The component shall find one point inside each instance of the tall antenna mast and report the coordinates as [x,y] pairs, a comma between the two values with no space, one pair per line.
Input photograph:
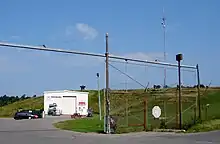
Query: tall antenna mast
[164,44]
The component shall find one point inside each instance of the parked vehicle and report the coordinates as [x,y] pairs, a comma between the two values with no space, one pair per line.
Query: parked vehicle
[38,112]
[25,114]
[53,110]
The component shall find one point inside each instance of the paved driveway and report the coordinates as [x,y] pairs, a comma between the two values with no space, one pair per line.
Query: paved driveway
[41,131]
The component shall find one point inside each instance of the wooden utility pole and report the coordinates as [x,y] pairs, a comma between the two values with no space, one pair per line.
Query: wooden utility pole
[108,130]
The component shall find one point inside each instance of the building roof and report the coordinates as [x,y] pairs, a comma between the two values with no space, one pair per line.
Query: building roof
[66,91]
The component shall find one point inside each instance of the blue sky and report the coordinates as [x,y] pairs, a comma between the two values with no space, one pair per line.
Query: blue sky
[134,29]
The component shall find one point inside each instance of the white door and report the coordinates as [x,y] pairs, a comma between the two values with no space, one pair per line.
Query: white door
[68,105]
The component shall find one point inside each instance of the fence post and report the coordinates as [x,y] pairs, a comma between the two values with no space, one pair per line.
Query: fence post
[145,114]
[198,87]
[194,115]
[177,112]
[206,111]
[126,109]
[165,111]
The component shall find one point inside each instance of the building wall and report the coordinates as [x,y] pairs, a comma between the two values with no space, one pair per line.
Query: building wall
[80,103]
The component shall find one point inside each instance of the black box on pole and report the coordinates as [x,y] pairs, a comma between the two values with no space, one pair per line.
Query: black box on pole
[179,57]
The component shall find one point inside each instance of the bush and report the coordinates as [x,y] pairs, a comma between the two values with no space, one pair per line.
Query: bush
[187,125]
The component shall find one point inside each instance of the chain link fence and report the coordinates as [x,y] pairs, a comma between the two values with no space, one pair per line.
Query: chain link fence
[133,105]
[133,109]
[168,101]
[128,107]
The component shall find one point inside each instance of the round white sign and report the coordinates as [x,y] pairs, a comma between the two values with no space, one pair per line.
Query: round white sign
[156,111]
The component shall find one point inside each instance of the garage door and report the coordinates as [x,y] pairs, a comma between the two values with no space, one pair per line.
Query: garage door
[68,105]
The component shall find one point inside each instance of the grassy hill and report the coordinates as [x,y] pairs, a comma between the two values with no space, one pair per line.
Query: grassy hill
[129,107]
[31,103]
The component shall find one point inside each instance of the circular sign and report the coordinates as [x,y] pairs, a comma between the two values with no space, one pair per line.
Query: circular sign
[156,111]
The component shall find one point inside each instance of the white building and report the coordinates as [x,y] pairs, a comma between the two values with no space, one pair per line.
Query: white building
[68,101]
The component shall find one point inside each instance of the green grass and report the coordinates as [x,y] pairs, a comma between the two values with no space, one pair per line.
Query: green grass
[11,109]
[205,126]
[82,125]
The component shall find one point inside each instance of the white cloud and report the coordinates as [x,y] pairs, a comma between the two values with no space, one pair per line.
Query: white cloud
[72,33]
[87,31]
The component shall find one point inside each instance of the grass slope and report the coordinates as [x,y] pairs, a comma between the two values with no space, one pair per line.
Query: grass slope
[205,126]
[31,103]
[135,105]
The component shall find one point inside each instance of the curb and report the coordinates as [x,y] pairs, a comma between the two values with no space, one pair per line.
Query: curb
[169,130]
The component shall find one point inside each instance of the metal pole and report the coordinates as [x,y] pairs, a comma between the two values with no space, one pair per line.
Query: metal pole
[145,113]
[10,45]
[198,87]
[145,70]
[197,95]
[126,81]
[41,48]
[164,45]
[151,62]
[100,110]
[179,57]
[126,89]
[107,89]
[165,72]
[177,112]
[180,111]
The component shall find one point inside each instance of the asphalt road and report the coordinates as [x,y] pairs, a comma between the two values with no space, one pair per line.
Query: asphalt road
[41,131]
